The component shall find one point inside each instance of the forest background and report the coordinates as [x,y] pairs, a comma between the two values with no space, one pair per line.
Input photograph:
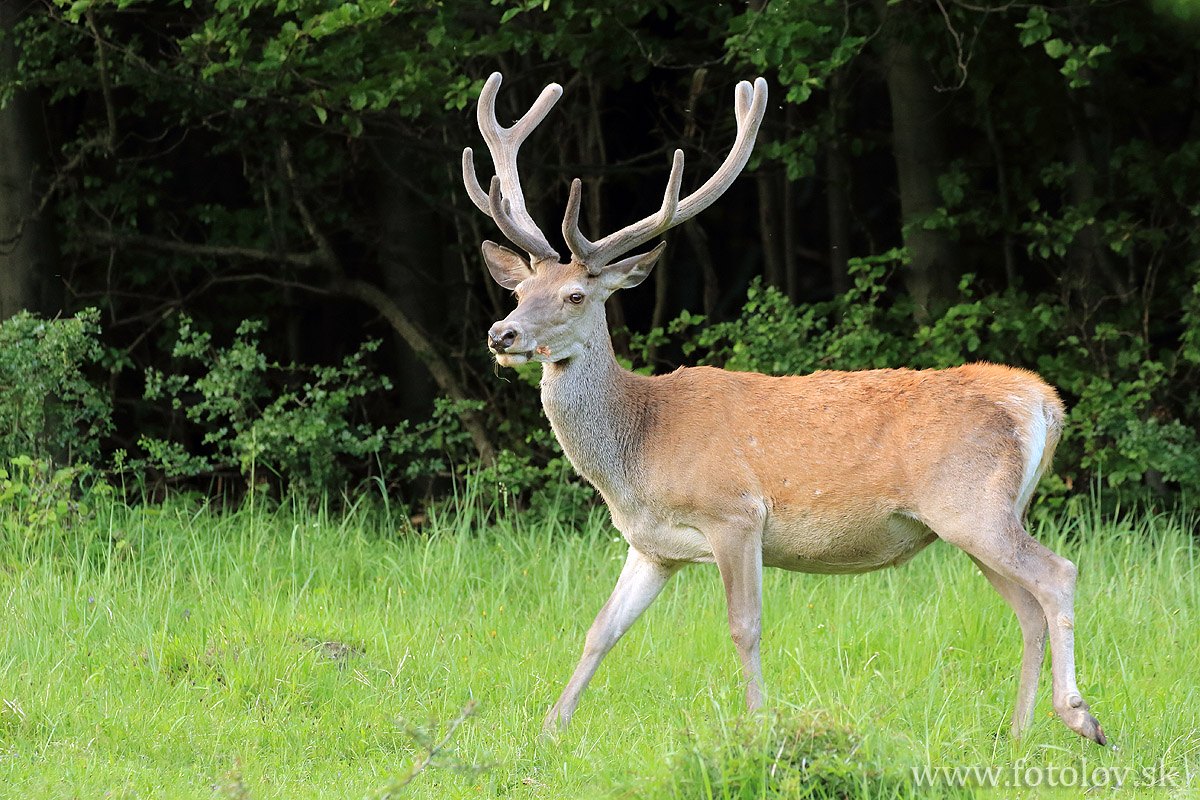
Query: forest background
[235,249]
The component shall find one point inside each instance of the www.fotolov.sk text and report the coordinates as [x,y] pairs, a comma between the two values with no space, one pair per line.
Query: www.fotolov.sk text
[1082,775]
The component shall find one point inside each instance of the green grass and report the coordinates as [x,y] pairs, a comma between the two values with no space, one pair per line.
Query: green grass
[175,652]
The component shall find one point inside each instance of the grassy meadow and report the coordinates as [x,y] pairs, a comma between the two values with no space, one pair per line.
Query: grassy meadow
[174,651]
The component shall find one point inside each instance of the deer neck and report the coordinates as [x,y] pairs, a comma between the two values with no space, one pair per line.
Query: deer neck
[591,402]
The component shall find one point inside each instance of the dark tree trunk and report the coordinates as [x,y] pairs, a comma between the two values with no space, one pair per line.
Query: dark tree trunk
[411,273]
[838,189]
[767,221]
[1087,255]
[1008,245]
[919,150]
[711,289]
[26,256]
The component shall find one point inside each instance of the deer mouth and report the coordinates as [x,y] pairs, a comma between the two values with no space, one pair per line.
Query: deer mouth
[513,359]
[524,356]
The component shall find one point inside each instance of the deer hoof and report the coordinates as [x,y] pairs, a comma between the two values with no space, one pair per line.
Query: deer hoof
[1090,729]
[555,723]
[1077,717]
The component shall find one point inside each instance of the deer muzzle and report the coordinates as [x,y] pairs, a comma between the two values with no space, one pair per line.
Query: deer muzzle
[508,344]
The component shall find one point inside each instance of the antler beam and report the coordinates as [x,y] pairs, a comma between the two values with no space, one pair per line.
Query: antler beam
[505,202]
[749,106]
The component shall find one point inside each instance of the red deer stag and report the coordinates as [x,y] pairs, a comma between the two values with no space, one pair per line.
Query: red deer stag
[834,472]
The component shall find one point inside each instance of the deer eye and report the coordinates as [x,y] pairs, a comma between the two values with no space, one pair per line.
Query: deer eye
[575,298]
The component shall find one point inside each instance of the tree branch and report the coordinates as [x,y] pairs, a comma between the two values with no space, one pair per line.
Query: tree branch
[112,239]
[105,84]
[432,752]
[958,51]
[310,224]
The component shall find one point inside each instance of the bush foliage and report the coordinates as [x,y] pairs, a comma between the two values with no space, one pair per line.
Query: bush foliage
[300,427]
[238,413]
[803,756]
[53,405]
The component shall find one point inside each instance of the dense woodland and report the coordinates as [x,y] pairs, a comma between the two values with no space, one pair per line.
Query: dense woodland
[235,248]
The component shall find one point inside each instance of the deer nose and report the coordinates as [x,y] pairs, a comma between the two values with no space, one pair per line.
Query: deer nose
[501,337]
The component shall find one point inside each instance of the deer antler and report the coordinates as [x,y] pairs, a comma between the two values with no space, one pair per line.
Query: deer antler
[749,106]
[504,202]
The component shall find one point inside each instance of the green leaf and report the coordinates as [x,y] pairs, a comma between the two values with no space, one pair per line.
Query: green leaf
[1035,28]
[1055,48]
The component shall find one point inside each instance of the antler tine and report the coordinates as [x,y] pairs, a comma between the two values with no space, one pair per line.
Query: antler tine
[670,204]
[747,130]
[585,250]
[577,243]
[750,103]
[478,196]
[743,95]
[502,213]
[506,203]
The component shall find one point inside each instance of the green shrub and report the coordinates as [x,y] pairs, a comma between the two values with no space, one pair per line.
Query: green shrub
[292,424]
[38,500]
[49,408]
[784,754]
[540,478]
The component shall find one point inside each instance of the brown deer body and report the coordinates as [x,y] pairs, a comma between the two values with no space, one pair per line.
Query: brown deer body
[834,472]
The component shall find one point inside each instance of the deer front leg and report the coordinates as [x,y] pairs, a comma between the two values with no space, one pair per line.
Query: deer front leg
[640,582]
[739,558]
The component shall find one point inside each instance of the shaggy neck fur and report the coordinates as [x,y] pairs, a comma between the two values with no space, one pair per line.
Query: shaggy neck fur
[594,408]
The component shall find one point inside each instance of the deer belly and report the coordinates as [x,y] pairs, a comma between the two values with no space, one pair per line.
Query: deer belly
[664,541]
[810,543]
[671,543]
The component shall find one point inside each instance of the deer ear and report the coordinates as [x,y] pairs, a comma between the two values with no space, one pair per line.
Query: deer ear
[631,271]
[507,268]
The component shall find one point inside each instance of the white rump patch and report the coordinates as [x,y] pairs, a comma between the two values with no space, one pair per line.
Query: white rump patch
[1035,449]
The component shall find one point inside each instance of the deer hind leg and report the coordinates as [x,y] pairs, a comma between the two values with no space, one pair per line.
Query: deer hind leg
[640,582]
[1033,634]
[1009,550]
[739,558]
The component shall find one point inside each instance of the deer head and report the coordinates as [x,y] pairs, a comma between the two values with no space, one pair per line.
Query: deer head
[560,305]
